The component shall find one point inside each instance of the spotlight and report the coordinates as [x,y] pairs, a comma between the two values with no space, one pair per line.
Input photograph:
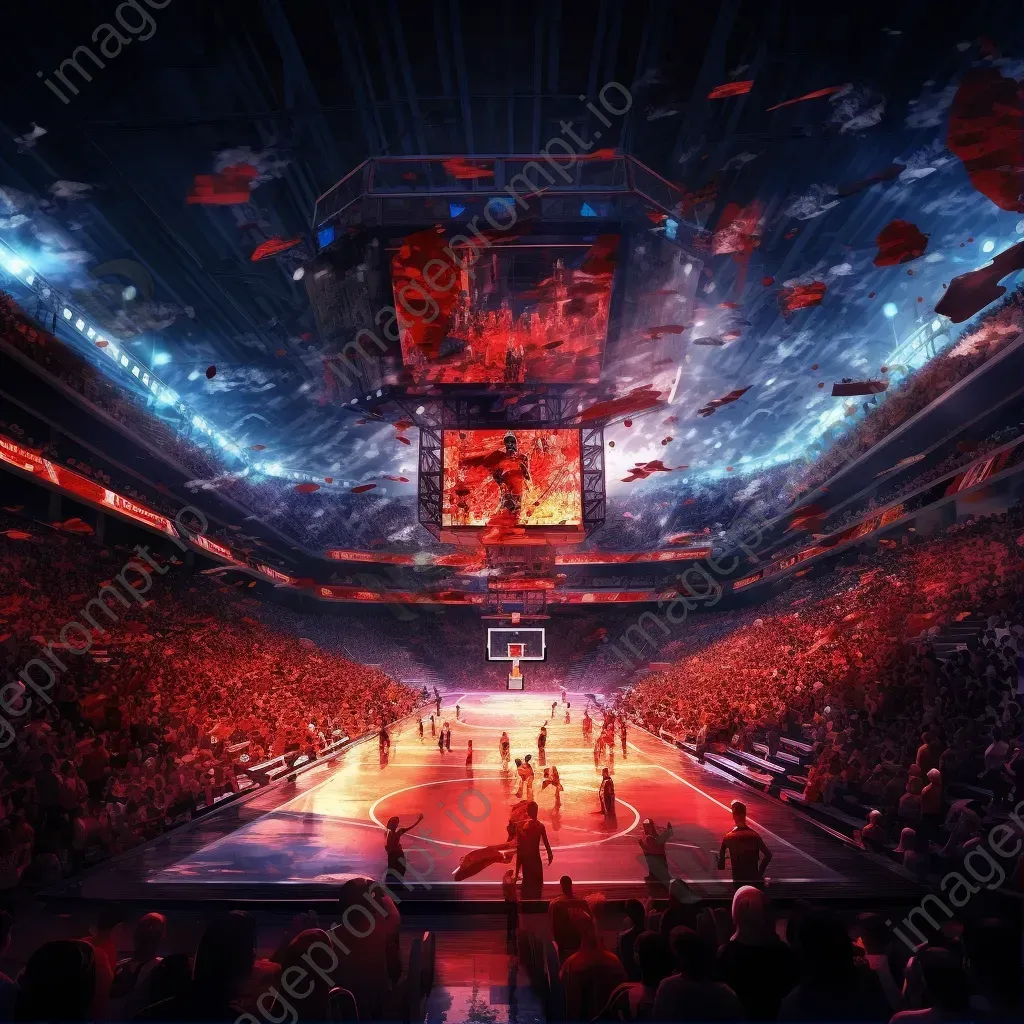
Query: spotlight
[67,313]
[80,324]
[129,292]
[161,359]
[890,309]
[988,246]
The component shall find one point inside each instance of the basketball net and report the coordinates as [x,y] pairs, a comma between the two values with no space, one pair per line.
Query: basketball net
[515,677]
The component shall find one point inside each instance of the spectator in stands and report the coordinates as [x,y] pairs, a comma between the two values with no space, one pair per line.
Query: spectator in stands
[634,1000]
[833,985]
[132,979]
[591,974]
[313,1002]
[59,983]
[755,963]
[936,987]
[220,972]
[692,993]
[560,920]
[636,914]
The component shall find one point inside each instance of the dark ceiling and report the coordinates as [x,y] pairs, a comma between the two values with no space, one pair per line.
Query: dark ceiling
[305,90]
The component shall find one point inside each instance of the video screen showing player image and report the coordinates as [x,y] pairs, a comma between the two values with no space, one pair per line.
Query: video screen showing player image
[523,477]
[512,313]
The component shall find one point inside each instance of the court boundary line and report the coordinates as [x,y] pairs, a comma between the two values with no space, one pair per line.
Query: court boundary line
[829,872]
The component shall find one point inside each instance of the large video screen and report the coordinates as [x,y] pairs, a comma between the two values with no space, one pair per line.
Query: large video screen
[517,477]
[512,313]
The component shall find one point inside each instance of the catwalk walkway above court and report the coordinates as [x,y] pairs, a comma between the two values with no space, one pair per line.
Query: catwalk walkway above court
[300,840]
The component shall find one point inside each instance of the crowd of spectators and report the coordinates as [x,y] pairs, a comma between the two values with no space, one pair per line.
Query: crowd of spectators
[691,962]
[847,663]
[178,693]
[998,327]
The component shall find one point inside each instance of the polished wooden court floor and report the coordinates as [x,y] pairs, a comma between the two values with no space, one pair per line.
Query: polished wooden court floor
[311,834]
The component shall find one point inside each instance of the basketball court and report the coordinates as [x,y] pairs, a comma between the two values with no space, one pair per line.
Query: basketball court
[328,825]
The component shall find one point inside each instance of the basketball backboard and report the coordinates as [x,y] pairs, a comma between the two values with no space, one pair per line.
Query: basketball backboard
[532,640]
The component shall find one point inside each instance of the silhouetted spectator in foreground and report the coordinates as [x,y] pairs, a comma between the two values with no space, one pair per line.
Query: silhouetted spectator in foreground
[755,963]
[833,985]
[223,963]
[591,975]
[58,983]
[634,1000]
[691,993]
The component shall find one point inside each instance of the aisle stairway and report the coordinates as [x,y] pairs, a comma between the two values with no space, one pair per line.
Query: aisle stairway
[958,636]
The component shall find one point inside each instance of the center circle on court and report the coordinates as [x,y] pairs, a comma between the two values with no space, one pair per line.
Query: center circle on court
[490,830]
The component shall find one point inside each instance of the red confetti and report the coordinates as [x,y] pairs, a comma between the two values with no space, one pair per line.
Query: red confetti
[627,423]
[228,188]
[272,246]
[211,372]
[801,296]
[817,94]
[102,343]
[892,171]
[363,488]
[657,332]
[899,242]
[328,479]
[307,488]
[397,479]
[740,88]
[717,403]
[986,131]
[258,447]
[642,470]
[972,292]
[17,535]
[767,281]
[814,366]
[404,440]
[666,440]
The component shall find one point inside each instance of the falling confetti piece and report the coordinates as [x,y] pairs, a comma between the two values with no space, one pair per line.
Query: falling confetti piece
[815,366]
[258,447]
[611,444]
[404,440]
[102,343]
[363,488]
[307,488]
[817,94]
[767,281]
[898,242]
[627,423]
[211,372]
[801,296]
[740,88]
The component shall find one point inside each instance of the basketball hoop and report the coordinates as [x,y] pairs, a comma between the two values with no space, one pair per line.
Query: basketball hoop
[515,645]
[515,677]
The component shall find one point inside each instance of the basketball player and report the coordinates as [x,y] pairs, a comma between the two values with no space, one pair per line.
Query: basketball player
[747,852]
[421,730]
[607,794]
[469,753]
[528,863]
[525,772]
[652,846]
[554,705]
[437,702]
[393,844]
[551,779]
[447,737]
[564,701]
[622,734]
[433,728]
[503,751]
[458,712]
[588,725]
[542,739]
[384,739]
[567,706]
